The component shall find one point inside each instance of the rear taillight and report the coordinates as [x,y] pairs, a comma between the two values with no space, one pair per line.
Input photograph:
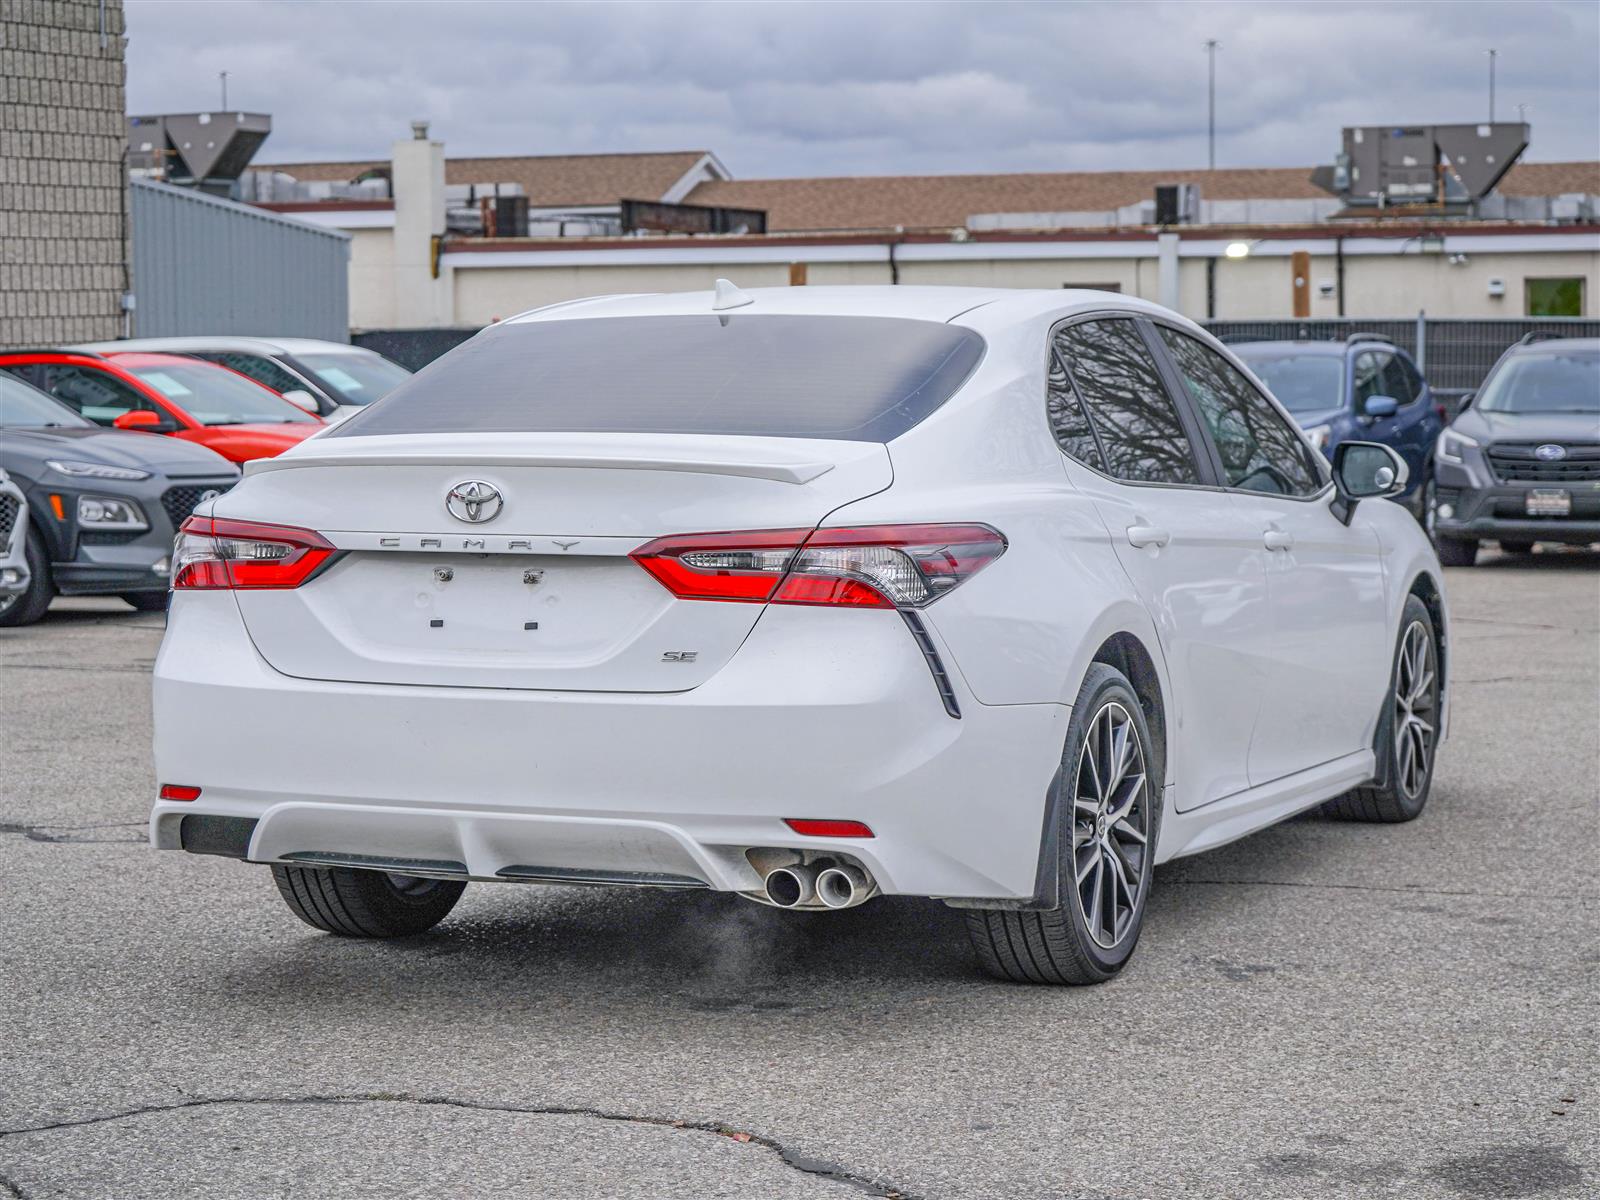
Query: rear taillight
[220,554]
[877,566]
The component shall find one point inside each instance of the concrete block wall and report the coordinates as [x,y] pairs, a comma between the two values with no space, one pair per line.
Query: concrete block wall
[63,185]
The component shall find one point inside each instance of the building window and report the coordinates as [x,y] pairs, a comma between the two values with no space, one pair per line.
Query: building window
[1554,297]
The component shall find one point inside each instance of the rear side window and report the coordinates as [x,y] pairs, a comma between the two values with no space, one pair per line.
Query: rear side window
[854,378]
[263,370]
[1068,421]
[1138,425]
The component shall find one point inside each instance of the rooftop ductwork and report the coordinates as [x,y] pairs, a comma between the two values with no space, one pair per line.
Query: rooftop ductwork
[1388,165]
[208,151]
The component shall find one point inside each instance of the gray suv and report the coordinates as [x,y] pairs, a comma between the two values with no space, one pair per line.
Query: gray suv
[102,504]
[1521,464]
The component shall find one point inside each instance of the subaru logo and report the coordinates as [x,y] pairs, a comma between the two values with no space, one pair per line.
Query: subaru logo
[1550,452]
[474,501]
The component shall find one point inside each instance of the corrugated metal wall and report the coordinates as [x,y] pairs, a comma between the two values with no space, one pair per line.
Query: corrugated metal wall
[204,265]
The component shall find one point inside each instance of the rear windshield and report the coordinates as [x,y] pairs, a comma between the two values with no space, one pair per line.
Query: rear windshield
[863,379]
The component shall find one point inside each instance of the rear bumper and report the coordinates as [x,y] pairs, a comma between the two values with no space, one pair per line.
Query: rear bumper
[821,714]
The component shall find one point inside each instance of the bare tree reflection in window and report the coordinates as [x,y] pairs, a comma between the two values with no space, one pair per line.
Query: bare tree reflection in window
[1138,425]
[1260,450]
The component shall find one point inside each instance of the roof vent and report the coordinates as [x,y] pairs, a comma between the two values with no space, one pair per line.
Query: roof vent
[727,296]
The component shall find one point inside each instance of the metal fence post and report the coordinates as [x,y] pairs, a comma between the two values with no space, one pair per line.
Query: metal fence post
[1422,341]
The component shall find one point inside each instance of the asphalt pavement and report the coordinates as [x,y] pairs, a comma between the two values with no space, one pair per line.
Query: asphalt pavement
[1323,1009]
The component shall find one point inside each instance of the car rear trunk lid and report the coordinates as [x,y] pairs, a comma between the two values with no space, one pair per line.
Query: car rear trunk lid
[540,594]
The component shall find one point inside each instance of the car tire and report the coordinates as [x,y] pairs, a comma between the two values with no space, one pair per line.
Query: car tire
[1457,552]
[1517,547]
[1408,728]
[148,601]
[33,603]
[1075,943]
[365,904]
[1427,504]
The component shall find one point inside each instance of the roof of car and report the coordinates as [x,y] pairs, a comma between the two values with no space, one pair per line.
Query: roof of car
[1559,345]
[1288,347]
[148,358]
[222,344]
[1332,347]
[910,302]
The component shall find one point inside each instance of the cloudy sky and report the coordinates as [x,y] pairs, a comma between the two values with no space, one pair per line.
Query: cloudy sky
[869,88]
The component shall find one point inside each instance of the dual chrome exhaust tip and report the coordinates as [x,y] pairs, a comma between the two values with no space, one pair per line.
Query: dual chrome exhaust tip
[837,885]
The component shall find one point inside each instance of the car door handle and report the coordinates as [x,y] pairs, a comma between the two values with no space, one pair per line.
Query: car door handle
[1147,535]
[1277,539]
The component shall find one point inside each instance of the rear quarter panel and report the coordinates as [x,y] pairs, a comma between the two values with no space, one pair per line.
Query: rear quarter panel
[1025,629]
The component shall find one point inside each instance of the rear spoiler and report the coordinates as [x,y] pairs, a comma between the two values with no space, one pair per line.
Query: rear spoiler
[584,453]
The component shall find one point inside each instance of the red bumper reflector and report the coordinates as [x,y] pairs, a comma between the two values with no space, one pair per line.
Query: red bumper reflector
[810,828]
[179,791]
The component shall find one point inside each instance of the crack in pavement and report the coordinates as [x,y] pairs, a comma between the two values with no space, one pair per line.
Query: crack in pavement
[37,833]
[1565,898]
[7,1187]
[797,1162]
[16,666]
[1515,624]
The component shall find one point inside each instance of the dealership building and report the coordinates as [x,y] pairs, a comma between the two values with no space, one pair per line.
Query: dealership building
[441,241]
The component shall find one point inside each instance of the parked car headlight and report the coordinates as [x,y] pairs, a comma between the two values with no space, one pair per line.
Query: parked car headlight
[83,470]
[110,513]
[1319,435]
[1453,446]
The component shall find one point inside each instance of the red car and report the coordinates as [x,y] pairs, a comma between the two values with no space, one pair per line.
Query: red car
[168,393]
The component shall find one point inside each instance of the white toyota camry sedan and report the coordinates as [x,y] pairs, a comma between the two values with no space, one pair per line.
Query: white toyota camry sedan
[809,594]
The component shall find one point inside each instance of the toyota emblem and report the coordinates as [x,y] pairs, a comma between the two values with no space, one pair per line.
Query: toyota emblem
[474,501]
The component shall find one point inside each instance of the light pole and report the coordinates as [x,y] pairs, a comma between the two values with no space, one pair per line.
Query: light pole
[1211,103]
[1493,54]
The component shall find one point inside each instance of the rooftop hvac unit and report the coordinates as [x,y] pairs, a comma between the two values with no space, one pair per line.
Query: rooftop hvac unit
[208,151]
[1386,165]
[505,216]
[1177,203]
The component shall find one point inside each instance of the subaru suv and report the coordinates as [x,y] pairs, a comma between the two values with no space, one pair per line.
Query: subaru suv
[1521,464]
[1364,388]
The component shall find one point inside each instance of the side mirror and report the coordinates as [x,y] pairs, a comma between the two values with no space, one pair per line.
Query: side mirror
[1365,471]
[1465,402]
[141,420]
[301,398]
[1381,406]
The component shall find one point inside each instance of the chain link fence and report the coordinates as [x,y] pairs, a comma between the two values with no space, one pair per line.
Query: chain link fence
[1455,353]
[413,349]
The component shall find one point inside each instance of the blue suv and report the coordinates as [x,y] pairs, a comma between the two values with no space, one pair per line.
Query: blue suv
[1364,389]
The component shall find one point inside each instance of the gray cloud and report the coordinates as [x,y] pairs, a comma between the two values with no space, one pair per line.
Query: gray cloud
[869,88]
